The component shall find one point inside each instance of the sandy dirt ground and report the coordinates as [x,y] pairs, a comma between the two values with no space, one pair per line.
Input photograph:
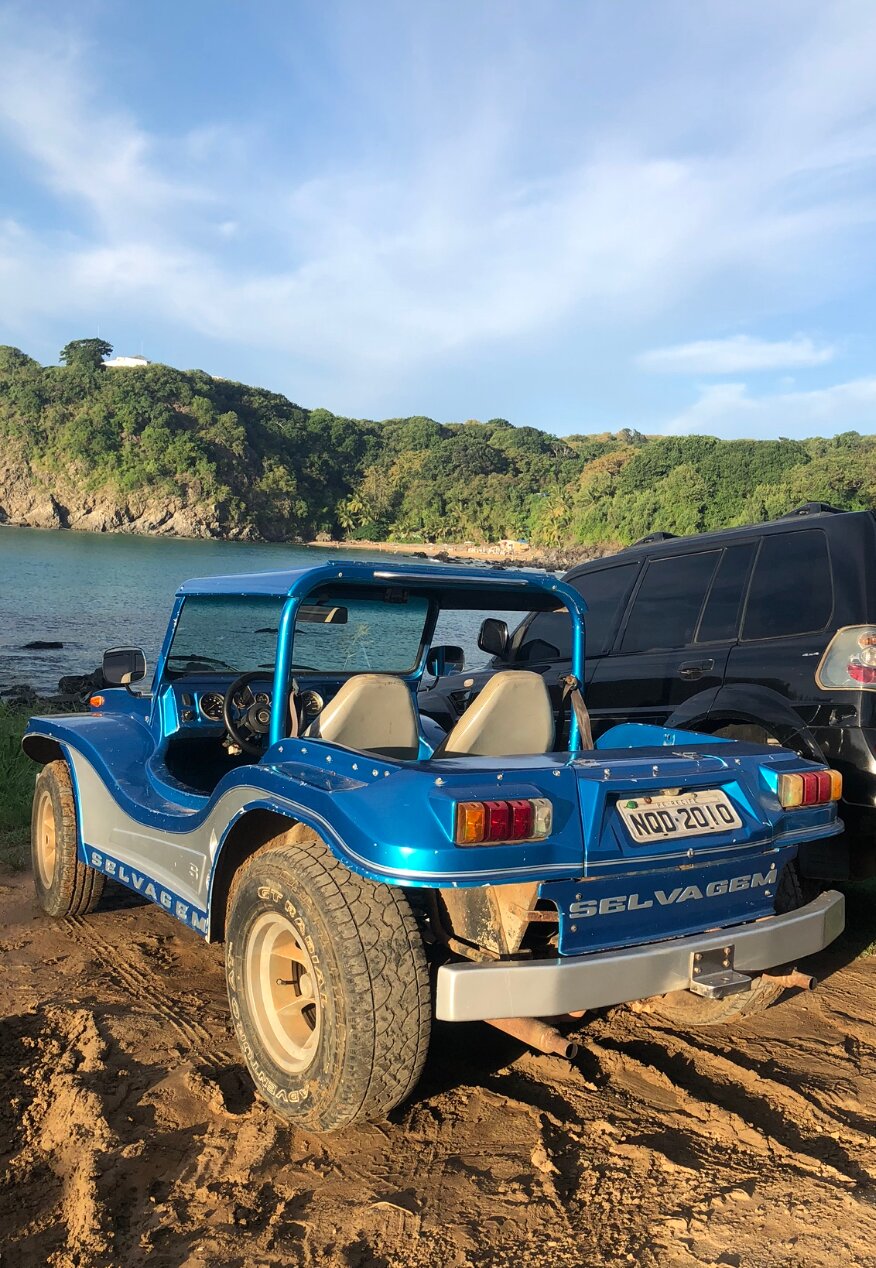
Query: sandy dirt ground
[130,1133]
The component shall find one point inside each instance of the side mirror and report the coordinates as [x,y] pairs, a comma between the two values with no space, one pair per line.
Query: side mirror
[493,638]
[123,665]
[445,659]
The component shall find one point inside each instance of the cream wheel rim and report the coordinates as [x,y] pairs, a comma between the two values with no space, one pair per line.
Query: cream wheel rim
[281,992]
[46,839]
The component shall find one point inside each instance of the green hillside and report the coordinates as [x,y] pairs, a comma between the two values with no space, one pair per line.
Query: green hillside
[245,462]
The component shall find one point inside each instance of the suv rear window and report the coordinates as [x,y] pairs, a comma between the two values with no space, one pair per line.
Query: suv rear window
[792,588]
[668,602]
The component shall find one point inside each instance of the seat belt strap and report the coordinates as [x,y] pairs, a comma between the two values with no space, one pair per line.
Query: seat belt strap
[572,693]
[294,718]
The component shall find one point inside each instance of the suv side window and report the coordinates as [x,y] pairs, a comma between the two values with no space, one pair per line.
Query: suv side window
[720,620]
[792,587]
[668,602]
[548,637]
[605,592]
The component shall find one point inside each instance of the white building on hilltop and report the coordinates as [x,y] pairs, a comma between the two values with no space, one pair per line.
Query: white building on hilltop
[126,363]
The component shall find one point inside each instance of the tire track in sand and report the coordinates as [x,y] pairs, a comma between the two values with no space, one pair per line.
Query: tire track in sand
[149,992]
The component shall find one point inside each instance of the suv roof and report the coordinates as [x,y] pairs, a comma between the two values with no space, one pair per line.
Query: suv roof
[668,543]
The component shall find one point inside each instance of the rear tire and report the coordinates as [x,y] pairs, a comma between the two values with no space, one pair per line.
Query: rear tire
[685,1009]
[65,886]
[328,986]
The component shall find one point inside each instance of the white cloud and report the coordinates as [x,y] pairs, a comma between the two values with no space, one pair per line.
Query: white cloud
[735,355]
[729,410]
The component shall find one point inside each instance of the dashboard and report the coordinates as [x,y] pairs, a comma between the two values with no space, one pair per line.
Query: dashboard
[200,704]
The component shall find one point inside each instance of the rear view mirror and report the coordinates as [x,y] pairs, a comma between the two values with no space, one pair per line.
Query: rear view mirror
[316,614]
[493,638]
[445,659]
[123,665]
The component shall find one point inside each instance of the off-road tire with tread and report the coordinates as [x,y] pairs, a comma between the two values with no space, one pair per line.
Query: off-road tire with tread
[373,987]
[65,886]
[684,1008]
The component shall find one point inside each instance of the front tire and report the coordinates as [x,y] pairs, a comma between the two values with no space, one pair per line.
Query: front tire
[65,886]
[328,986]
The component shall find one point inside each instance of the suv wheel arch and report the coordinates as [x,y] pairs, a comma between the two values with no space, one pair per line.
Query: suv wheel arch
[745,706]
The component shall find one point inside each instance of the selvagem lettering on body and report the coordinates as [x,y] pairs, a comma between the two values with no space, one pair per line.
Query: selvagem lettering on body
[619,903]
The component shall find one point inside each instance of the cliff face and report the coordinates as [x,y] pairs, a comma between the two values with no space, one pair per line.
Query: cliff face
[32,499]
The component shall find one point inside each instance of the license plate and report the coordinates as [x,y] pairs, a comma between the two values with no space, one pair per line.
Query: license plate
[668,816]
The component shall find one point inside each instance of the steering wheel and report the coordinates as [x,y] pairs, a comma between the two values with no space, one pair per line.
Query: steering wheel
[246,720]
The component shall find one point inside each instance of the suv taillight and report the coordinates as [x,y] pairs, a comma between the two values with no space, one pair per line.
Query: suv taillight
[849,663]
[812,788]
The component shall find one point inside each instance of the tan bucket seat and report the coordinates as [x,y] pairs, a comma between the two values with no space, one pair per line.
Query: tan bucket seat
[512,715]
[373,713]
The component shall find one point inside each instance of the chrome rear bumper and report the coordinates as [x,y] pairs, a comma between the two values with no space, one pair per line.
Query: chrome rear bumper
[548,988]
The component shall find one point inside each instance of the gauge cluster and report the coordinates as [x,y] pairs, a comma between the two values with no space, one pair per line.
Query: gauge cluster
[208,705]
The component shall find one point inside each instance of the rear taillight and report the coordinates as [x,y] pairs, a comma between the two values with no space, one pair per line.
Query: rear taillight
[486,822]
[813,788]
[849,662]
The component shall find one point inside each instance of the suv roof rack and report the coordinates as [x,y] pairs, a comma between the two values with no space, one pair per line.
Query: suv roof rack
[812,508]
[654,537]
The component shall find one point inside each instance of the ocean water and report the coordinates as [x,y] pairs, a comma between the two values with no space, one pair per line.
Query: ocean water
[91,591]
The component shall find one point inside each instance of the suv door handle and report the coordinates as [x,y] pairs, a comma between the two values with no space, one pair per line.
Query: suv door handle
[692,669]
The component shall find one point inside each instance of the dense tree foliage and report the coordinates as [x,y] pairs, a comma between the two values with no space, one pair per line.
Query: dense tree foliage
[265,467]
[86,353]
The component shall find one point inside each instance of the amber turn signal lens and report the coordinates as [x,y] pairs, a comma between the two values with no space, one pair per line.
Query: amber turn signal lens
[97,701]
[470,820]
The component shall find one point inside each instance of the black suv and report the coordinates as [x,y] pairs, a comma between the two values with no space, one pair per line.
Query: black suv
[763,633]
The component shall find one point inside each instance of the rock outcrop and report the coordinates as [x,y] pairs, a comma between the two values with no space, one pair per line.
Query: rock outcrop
[33,499]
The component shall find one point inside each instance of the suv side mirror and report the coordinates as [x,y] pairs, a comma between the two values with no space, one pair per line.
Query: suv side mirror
[493,638]
[123,665]
[445,659]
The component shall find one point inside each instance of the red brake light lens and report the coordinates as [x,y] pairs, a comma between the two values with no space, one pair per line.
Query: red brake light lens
[498,820]
[495,822]
[522,818]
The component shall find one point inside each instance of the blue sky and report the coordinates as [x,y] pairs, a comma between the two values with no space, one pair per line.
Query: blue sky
[577,215]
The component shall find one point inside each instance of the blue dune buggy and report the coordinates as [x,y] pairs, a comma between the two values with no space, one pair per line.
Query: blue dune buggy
[277,790]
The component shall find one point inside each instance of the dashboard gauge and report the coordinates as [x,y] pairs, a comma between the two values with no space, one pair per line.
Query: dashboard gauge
[211,705]
[311,703]
[262,697]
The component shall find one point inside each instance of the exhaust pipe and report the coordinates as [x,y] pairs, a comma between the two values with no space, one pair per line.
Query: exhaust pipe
[805,981]
[536,1034]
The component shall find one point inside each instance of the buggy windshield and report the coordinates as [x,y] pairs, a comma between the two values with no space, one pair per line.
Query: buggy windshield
[225,634]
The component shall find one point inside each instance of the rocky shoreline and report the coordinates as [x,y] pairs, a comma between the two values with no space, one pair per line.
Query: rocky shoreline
[72,694]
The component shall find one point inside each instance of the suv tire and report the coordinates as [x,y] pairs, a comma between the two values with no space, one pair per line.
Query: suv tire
[65,886]
[328,986]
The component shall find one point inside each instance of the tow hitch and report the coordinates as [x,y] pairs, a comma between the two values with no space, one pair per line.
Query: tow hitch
[712,974]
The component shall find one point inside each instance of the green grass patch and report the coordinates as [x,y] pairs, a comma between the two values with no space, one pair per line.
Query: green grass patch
[17,775]
[17,772]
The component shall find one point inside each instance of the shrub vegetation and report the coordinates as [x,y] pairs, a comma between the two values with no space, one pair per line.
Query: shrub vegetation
[260,466]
